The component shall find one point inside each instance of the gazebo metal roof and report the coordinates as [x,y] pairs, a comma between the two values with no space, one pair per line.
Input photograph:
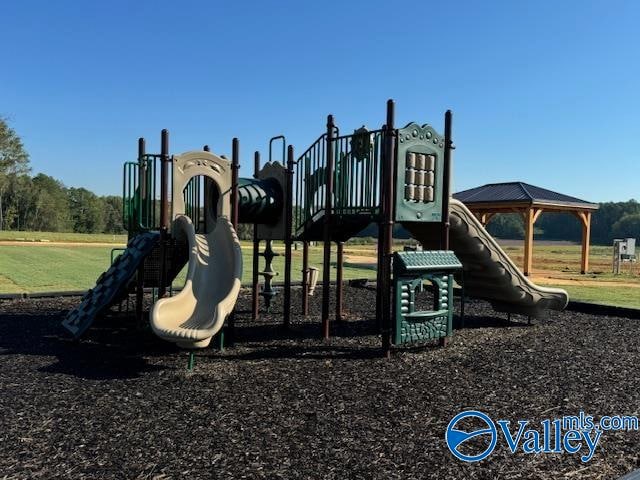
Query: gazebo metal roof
[521,193]
[529,201]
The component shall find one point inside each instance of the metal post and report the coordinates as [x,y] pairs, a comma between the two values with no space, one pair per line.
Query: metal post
[164,210]
[256,251]
[142,176]
[326,266]
[207,191]
[339,289]
[305,278]
[287,238]
[446,180]
[235,167]
[387,201]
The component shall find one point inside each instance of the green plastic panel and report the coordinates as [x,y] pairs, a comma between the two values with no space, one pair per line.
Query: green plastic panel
[410,271]
[419,170]
[427,261]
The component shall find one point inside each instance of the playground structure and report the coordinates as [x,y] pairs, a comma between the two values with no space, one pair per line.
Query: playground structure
[185,209]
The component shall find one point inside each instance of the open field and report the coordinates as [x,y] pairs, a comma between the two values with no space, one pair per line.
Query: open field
[121,404]
[34,267]
[63,237]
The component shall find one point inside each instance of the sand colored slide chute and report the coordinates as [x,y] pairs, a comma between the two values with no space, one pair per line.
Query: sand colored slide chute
[489,273]
[197,313]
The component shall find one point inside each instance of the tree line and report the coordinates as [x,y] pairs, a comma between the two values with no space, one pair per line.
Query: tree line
[43,203]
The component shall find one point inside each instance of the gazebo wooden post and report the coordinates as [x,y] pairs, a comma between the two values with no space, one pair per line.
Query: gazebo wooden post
[531,214]
[528,240]
[585,219]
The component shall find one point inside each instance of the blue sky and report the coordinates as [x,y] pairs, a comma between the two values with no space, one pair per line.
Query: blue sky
[544,92]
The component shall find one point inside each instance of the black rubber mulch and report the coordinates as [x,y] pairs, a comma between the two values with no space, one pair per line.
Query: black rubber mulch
[121,404]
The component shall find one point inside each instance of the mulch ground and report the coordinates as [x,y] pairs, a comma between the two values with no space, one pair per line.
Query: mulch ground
[121,403]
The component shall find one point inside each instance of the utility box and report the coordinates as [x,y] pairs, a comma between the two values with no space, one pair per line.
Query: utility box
[410,272]
[624,250]
[628,248]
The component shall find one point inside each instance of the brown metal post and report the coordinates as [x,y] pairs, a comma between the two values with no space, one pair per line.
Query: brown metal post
[256,251]
[339,286]
[446,180]
[142,184]
[326,265]
[235,167]
[387,201]
[288,239]
[164,210]
[305,278]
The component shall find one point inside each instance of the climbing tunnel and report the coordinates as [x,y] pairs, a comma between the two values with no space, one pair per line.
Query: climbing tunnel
[260,201]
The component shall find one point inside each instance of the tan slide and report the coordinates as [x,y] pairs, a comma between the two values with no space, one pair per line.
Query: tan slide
[197,313]
[489,273]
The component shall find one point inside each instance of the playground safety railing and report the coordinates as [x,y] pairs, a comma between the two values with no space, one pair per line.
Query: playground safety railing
[140,194]
[357,164]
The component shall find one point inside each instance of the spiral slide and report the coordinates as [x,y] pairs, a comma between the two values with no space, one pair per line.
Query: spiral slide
[489,273]
[211,290]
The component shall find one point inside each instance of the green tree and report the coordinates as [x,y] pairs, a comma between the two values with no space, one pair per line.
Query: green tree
[628,226]
[112,207]
[86,211]
[506,225]
[14,161]
[51,205]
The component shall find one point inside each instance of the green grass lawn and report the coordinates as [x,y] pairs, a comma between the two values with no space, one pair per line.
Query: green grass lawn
[61,237]
[29,268]
[50,268]
[36,268]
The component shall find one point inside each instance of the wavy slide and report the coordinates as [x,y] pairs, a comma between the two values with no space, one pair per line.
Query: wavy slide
[489,273]
[193,316]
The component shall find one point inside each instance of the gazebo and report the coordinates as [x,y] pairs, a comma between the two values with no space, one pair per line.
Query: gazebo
[529,201]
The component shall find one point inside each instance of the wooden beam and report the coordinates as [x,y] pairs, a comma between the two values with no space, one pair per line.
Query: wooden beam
[586,240]
[537,214]
[520,205]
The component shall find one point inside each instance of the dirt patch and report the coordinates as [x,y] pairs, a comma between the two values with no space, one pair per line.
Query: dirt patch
[360,259]
[584,283]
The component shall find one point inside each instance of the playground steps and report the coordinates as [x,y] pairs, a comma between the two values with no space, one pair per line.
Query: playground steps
[343,227]
[112,285]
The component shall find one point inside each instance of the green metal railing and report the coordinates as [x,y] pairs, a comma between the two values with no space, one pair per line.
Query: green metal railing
[309,179]
[140,204]
[358,159]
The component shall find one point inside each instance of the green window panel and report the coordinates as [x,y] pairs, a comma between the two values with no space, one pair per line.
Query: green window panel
[419,171]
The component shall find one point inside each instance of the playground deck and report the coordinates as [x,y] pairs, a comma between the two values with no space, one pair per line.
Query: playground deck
[288,405]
